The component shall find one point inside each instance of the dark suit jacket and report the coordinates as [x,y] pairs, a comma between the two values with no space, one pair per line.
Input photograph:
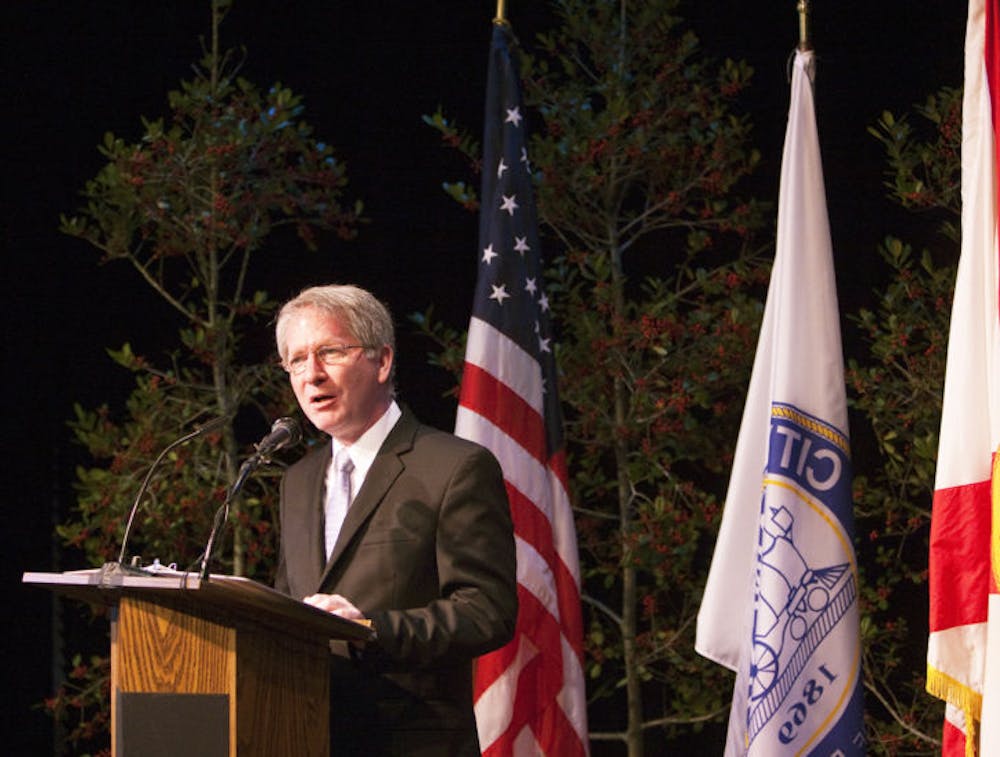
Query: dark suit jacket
[427,553]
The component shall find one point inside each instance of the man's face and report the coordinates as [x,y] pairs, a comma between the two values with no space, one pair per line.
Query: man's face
[343,399]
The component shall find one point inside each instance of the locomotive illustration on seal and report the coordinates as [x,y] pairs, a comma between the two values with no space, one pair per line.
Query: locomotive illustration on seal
[795,606]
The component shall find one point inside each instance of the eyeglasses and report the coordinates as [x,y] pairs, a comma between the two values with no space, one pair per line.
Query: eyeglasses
[328,355]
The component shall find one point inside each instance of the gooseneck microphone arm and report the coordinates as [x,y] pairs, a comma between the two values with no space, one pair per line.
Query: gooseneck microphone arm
[284,432]
[213,424]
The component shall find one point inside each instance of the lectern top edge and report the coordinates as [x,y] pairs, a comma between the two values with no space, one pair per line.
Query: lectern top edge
[220,593]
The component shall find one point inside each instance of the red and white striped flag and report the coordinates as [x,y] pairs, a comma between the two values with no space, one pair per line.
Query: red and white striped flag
[963,654]
[529,695]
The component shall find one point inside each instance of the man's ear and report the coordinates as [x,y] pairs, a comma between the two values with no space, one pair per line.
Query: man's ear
[385,358]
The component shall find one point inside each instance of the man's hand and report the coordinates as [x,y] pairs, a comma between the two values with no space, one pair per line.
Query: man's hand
[336,604]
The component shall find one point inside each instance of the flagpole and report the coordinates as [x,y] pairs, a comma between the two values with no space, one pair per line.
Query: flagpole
[804,42]
[501,17]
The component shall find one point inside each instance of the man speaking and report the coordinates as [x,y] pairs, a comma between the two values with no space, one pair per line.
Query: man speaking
[392,522]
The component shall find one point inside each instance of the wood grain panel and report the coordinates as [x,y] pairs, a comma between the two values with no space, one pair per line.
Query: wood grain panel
[161,649]
[284,682]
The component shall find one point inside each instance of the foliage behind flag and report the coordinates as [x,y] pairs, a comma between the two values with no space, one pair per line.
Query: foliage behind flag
[963,655]
[781,604]
[529,694]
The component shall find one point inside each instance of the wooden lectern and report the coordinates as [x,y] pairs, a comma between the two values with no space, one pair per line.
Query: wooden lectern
[224,667]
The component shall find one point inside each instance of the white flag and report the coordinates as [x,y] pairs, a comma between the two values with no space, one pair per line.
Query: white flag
[781,604]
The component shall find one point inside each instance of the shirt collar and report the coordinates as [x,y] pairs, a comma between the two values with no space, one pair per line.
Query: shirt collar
[364,450]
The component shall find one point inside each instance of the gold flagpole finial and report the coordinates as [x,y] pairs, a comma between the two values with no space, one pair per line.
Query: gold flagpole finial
[804,42]
[501,17]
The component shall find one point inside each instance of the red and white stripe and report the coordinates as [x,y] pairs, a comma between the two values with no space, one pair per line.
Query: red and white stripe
[530,696]
[963,655]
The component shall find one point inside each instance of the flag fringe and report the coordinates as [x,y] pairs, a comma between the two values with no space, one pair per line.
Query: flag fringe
[943,686]
[969,701]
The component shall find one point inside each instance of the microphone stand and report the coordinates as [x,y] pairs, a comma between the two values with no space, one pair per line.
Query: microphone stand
[283,432]
[222,514]
[113,568]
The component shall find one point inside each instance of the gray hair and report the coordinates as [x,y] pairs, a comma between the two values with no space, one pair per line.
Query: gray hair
[367,319]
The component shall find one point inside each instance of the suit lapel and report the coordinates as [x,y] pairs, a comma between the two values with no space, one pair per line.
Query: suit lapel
[386,468]
[310,498]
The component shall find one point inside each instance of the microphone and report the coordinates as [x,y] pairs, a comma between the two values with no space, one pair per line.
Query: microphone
[211,425]
[284,433]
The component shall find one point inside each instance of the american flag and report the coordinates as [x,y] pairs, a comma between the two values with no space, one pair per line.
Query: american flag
[529,695]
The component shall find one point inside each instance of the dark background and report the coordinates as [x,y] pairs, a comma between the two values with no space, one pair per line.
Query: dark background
[367,71]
